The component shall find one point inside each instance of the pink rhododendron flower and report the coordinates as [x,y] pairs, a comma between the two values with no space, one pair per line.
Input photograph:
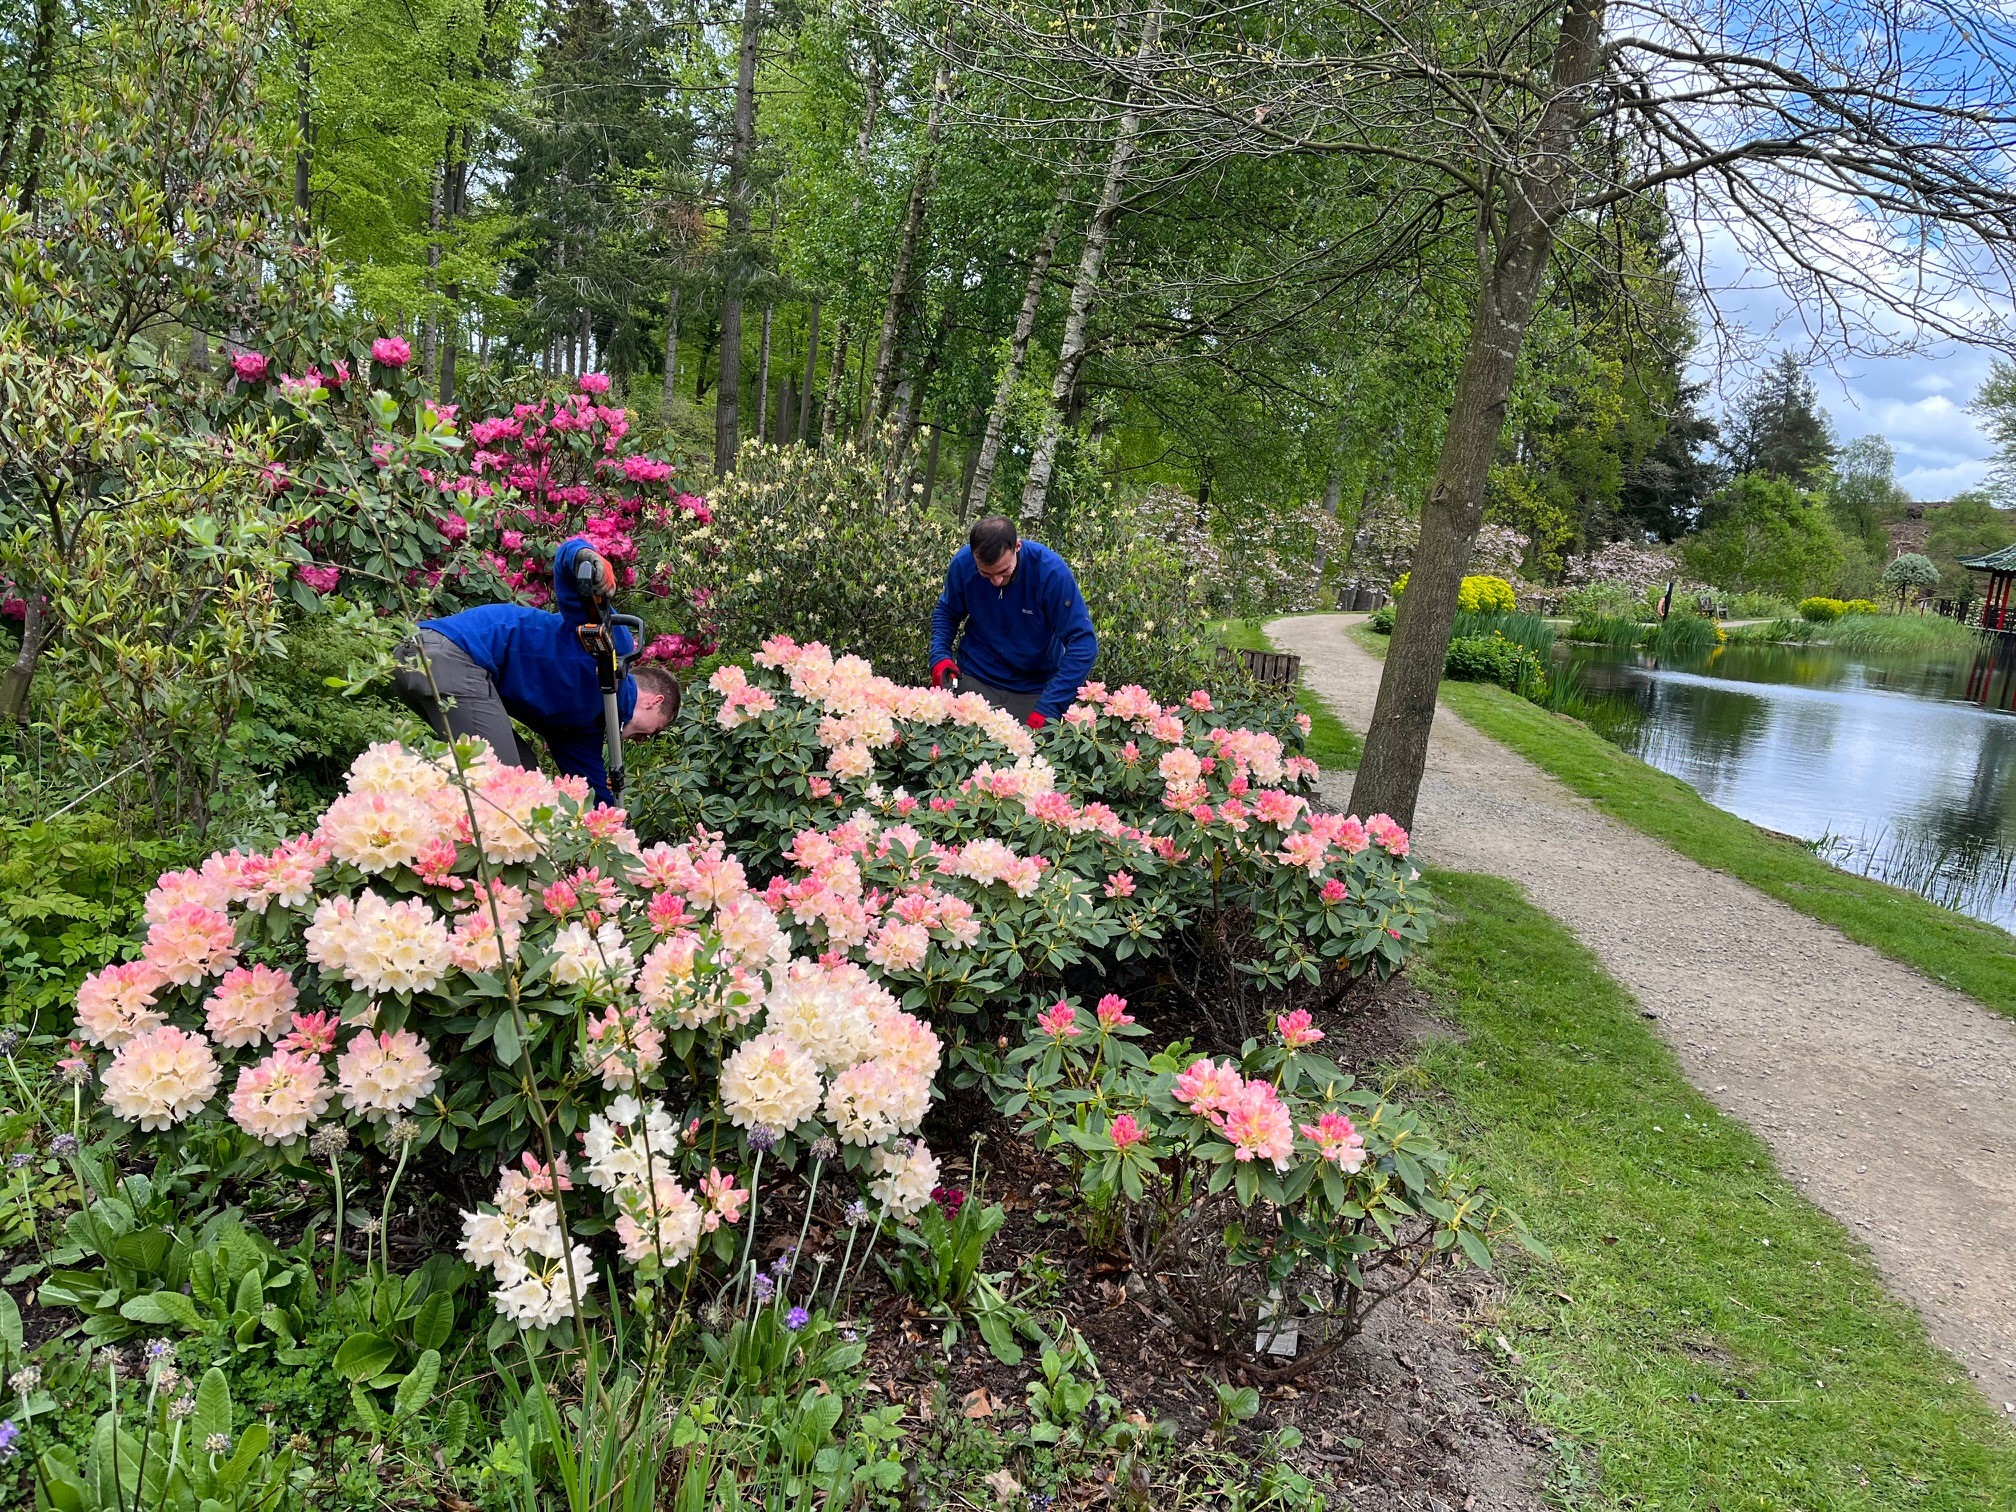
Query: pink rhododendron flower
[116,1003]
[311,1034]
[1059,1021]
[1338,1141]
[190,942]
[1124,1131]
[1258,1124]
[1387,835]
[1207,1086]
[723,1198]
[318,579]
[1297,1029]
[1120,885]
[251,1004]
[1335,892]
[1200,701]
[594,383]
[391,351]
[249,366]
[1113,1012]
[276,1100]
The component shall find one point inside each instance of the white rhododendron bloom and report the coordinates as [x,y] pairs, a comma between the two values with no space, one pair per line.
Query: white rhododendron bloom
[161,1077]
[907,1177]
[770,1082]
[540,1299]
[596,960]
[874,1101]
[820,1010]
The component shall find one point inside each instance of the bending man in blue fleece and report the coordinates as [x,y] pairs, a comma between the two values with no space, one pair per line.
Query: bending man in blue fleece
[500,662]
[1028,643]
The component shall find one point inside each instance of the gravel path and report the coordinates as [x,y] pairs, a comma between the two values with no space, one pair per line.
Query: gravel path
[1889,1100]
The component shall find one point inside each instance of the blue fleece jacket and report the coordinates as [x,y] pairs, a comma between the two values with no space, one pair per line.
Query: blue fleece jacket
[546,677]
[1033,636]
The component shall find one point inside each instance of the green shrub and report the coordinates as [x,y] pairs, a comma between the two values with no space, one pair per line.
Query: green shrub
[1863,606]
[1755,605]
[1483,658]
[1486,595]
[1531,631]
[1822,611]
[1381,622]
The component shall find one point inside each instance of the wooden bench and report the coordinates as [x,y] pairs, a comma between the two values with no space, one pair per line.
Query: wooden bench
[1274,669]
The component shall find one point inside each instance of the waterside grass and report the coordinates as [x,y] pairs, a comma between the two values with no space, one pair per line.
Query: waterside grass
[1699,1335]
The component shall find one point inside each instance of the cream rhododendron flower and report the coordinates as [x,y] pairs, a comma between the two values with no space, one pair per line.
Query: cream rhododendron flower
[770,1082]
[385,1073]
[250,1005]
[375,832]
[906,1177]
[906,1042]
[190,942]
[389,767]
[875,1100]
[508,805]
[392,947]
[159,1078]
[824,1010]
[663,1222]
[276,1100]
[116,1003]
[598,960]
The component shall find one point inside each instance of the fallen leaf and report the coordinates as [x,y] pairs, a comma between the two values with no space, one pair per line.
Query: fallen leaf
[1004,1486]
[978,1404]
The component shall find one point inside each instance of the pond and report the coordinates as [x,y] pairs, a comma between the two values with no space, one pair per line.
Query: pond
[1897,766]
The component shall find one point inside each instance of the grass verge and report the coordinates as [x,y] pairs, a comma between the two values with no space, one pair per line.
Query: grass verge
[1330,744]
[1700,1337]
[1965,954]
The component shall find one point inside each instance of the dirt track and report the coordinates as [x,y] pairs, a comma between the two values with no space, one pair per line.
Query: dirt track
[1889,1100]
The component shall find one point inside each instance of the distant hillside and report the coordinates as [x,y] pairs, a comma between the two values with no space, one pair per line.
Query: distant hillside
[1908,534]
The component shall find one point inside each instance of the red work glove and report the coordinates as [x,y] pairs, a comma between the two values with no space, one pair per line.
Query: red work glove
[939,669]
[1036,721]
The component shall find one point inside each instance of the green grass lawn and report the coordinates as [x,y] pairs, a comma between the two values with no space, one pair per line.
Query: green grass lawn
[1330,744]
[1700,1336]
[1967,955]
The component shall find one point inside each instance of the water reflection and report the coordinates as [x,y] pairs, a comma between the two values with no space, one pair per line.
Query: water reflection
[1901,767]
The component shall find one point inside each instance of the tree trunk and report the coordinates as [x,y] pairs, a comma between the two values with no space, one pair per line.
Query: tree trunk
[32,105]
[199,352]
[1396,743]
[763,376]
[906,254]
[1071,353]
[34,635]
[931,464]
[981,479]
[1333,491]
[671,353]
[305,128]
[431,333]
[829,411]
[811,374]
[727,398]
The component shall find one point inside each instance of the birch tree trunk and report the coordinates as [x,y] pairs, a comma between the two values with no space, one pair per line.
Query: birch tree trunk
[1071,352]
[727,398]
[829,409]
[974,502]
[430,334]
[1513,259]
[906,254]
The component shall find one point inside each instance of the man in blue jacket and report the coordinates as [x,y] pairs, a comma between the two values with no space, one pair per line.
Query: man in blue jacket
[500,662]
[1028,641]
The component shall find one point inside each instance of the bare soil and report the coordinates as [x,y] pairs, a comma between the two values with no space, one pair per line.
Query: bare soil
[1888,1099]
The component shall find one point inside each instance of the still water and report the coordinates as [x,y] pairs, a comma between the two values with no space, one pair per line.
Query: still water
[1901,767]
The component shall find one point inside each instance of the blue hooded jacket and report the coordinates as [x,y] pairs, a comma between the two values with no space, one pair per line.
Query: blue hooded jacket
[1033,636]
[545,676]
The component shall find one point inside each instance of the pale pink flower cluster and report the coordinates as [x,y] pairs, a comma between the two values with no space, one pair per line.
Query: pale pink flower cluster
[250,1005]
[160,1077]
[862,704]
[276,1100]
[770,1081]
[598,961]
[897,926]
[1338,1141]
[376,832]
[623,1046]
[741,700]
[1250,1114]
[189,942]
[385,1073]
[988,861]
[117,1002]
[906,1175]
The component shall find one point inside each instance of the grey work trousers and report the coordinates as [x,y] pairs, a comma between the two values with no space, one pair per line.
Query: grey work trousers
[473,705]
[1021,705]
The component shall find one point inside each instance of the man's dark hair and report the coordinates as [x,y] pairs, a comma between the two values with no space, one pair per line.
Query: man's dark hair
[992,539]
[652,678]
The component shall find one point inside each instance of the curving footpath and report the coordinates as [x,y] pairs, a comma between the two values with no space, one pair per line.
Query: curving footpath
[1888,1099]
